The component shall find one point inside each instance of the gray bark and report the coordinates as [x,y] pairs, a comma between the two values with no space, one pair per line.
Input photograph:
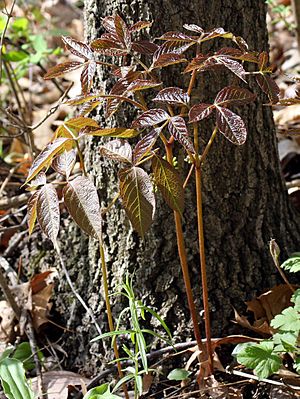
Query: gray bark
[245,201]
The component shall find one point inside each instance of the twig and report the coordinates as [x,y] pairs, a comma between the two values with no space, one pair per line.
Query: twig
[9,296]
[9,271]
[7,179]
[14,202]
[42,394]
[14,242]
[52,110]
[188,176]
[267,380]
[3,35]
[73,289]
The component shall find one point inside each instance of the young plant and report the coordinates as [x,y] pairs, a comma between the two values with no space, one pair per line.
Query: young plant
[266,357]
[135,311]
[174,120]
[13,364]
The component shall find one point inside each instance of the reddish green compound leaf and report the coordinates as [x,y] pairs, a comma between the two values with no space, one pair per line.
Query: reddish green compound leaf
[174,47]
[47,208]
[217,32]
[117,150]
[200,111]
[64,162]
[39,180]
[81,99]
[119,89]
[75,124]
[45,157]
[82,202]
[78,48]
[61,69]
[140,25]
[268,86]
[87,107]
[234,95]
[231,126]
[150,118]
[263,60]
[144,47]
[168,59]
[108,47]
[119,132]
[87,76]
[122,32]
[172,96]
[138,199]
[145,145]
[204,63]
[233,66]
[80,122]
[142,84]
[31,211]
[177,128]
[177,36]
[169,183]
[108,24]
[201,62]
[193,28]
[238,54]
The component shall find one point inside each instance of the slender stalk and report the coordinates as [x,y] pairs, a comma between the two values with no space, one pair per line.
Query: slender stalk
[208,145]
[81,160]
[73,289]
[9,16]
[109,316]
[203,266]
[184,264]
[188,176]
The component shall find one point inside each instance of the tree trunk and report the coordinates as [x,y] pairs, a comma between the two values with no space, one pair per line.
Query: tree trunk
[245,201]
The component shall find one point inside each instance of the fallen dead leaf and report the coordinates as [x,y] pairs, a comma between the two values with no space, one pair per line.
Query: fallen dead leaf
[41,306]
[147,382]
[56,383]
[265,308]
[271,303]
[7,322]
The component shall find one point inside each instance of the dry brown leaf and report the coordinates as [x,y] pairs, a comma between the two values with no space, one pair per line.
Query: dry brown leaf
[263,329]
[41,306]
[265,307]
[41,280]
[7,322]
[271,303]
[147,382]
[56,383]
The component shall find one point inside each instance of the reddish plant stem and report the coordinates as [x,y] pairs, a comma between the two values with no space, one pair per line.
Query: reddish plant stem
[203,266]
[184,264]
